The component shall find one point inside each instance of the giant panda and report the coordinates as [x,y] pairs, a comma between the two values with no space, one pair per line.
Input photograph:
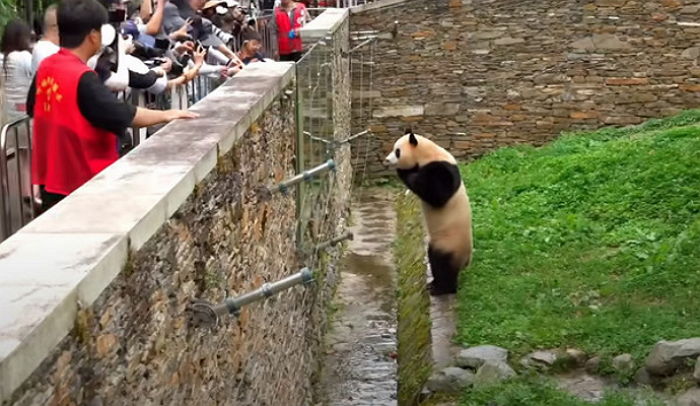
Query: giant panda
[431,172]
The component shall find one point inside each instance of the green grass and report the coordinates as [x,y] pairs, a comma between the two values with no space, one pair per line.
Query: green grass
[539,391]
[590,242]
[413,303]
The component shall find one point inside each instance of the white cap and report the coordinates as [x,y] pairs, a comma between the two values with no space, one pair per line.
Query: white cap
[108,34]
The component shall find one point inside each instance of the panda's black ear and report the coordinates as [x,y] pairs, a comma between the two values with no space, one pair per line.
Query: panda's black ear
[412,139]
[408,130]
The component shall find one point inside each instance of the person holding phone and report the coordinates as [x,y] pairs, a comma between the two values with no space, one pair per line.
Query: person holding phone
[75,116]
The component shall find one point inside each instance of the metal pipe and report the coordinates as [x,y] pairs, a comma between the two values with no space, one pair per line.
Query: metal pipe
[353,137]
[333,142]
[232,306]
[4,185]
[346,236]
[361,44]
[319,139]
[18,165]
[305,176]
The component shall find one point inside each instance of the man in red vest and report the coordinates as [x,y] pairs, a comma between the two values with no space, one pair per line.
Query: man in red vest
[76,118]
[289,18]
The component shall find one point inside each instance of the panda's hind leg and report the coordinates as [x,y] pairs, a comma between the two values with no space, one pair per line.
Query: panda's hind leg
[445,274]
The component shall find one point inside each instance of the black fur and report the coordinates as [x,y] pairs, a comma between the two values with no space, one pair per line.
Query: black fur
[435,183]
[445,274]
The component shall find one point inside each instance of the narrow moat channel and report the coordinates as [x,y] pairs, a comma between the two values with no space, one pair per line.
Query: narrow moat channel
[359,368]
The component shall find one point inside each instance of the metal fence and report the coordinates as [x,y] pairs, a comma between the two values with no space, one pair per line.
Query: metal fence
[17,203]
[318,140]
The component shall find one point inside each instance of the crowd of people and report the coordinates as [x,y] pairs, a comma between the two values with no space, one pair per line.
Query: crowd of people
[68,72]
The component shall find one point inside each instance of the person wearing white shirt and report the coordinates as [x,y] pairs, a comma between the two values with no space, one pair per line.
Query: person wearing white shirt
[48,44]
[16,68]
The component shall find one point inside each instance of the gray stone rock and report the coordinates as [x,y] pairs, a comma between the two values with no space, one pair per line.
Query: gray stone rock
[610,3]
[609,42]
[590,388]
[540,360]
[691,53]
[450,380]
[667,356]
[690,398]
[592,365]
[475,357]
[508,41]
[545,357]
[577,356]
[690,10]
[398,111]
[696,374]
[585,44]
[492,372]
[642,377]
[441,109]
[623,363]
[481,35]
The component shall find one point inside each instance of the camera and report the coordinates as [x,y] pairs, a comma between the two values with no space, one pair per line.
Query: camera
[142,51]
[116,16]
[152,63]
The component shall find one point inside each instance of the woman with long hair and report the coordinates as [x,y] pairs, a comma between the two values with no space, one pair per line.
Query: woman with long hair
[16,67]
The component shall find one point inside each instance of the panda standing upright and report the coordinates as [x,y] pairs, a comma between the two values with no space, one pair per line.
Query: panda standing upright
[431,172]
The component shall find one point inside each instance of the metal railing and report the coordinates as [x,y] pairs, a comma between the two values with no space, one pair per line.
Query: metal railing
[16,202]
[266,29]
[17,206]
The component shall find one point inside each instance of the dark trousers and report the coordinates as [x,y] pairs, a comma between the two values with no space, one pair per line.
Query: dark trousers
[48,199]
[293,57]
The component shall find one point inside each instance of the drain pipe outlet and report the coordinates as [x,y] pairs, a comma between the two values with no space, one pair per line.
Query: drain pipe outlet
[235,304]
[346,236]
[305,176]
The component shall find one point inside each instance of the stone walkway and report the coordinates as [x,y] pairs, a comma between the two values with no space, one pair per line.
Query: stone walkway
[360,369]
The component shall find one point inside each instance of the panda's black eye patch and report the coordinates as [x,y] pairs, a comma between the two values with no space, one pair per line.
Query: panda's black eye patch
[398,153]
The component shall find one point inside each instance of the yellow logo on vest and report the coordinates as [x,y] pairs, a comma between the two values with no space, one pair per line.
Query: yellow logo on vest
[50,89]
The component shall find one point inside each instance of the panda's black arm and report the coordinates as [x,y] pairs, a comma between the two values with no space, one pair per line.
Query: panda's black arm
[408,176]
[434,183]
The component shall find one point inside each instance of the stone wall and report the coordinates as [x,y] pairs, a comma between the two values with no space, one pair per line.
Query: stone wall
[97,293]
[477,75]
[135,345]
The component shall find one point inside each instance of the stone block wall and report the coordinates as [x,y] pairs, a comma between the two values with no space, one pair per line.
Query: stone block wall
[137,343]
[477,75]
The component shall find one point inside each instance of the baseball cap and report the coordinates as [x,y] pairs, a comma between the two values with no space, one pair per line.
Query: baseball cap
[129,27]
[213,3]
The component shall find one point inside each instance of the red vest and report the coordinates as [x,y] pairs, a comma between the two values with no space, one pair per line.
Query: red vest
[67,150]
[287,45]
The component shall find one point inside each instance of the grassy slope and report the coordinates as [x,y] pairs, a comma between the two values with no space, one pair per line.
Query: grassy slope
[412,301]
[590,242]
